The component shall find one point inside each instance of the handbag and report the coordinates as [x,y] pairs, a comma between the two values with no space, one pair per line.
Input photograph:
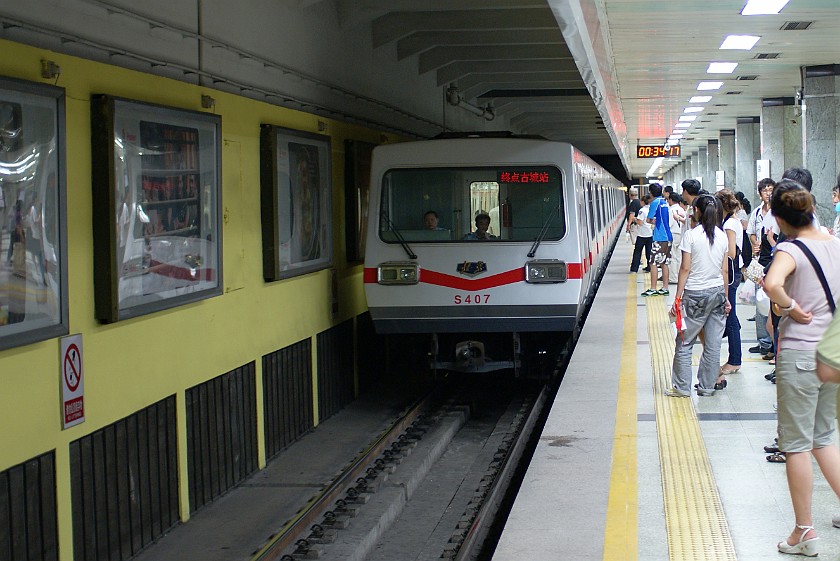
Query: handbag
[754,271]
[19,259]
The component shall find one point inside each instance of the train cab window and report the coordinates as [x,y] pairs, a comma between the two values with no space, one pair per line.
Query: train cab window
[520,200]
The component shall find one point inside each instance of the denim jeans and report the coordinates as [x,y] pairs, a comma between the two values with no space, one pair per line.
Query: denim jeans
[733,324]
[641,243]
[702,310]
[764,339]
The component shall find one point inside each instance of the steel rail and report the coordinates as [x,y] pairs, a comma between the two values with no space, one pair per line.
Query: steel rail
[308,515]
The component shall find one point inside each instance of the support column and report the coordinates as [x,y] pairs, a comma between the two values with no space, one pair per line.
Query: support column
[747,151]
[702,172]
[726,148]
[820,146]
[781,134]
[713,163]
[689,167]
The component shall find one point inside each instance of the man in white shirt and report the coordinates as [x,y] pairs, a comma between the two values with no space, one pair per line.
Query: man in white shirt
[677,219]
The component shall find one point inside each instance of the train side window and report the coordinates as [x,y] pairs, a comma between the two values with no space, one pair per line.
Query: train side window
[591,207]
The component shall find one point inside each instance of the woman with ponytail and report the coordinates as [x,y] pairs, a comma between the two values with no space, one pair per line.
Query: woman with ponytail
[734,231]
[701,298]
[803,283]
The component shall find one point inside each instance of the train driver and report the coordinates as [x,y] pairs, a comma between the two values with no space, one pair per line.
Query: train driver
[482,223]
[430,219]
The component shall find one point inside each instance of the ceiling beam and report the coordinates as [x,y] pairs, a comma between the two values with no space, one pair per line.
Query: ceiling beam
[397,25]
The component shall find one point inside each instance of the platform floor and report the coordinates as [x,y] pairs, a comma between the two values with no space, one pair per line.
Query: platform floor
[624,472]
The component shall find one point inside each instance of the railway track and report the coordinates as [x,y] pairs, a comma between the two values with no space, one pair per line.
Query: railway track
[456,448]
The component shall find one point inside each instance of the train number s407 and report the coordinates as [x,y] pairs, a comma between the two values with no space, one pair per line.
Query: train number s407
[472,298]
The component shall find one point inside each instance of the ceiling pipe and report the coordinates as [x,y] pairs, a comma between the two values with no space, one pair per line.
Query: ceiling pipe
[454,97]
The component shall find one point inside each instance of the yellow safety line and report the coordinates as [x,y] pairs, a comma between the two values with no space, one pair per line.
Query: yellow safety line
[621,532]
[694,518]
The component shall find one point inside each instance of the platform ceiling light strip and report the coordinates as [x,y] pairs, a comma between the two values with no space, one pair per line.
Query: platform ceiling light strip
[682,125]
[709,86]
[700,99]
[695,522]
[763,7]
[693,109]
[740,42]
[687,118]
[656,163]
[721,67]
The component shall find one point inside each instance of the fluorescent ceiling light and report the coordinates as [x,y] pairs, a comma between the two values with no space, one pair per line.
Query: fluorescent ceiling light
[682,125]
[721,67]
[709,85]
[740,42]
[700,99]
[763,7]
[687,118]
[675,135]
[692,109]
[656,163]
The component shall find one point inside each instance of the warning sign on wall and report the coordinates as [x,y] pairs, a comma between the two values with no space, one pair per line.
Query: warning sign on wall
[72,381]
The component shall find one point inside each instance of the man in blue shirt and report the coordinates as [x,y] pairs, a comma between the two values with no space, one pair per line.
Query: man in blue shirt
[658,216]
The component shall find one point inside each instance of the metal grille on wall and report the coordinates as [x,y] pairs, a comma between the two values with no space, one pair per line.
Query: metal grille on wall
[335,369]
[27,510]
[221,434]
[124,484]
[287,395]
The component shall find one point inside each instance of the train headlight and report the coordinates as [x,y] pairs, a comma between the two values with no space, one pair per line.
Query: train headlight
[398,273]
[545,271]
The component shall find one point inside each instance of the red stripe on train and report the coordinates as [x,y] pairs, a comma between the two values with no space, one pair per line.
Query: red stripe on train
[427,276]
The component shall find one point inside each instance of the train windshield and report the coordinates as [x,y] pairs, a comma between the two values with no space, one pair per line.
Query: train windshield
[506,203]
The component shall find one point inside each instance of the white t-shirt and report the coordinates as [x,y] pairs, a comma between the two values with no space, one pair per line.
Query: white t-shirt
[706,261]
[645,230]
[734,224]
[676,225]
[756,221]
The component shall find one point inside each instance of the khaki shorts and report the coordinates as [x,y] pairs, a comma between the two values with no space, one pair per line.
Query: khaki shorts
[661,253]
[807,407]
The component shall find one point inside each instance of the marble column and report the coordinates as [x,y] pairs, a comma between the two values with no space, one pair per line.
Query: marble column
[747,151]
[713,162]
[821,133]
[781,134]
[726,151]
[689,166]
[702,164]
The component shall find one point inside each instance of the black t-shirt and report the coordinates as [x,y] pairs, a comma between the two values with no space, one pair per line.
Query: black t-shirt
[633,208]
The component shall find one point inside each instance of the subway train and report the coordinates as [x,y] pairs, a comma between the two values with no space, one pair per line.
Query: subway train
[476,301]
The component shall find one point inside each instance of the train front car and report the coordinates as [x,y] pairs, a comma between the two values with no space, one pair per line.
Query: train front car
[477,299]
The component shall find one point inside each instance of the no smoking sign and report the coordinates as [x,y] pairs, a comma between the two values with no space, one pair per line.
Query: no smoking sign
[72,381]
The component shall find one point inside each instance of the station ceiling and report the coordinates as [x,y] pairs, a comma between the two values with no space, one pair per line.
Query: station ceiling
[605,75]
[521,57]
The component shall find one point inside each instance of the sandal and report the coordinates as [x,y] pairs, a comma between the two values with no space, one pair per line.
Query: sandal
[803,546]
[730,370]
[777,458]
[721,385]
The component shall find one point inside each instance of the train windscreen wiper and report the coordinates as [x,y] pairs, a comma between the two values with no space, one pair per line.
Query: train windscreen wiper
[399,236]
[542,233]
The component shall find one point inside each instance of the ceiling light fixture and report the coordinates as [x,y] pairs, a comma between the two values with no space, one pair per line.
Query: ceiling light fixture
[709,85]
[763,7]
[687,118]
[693,109]
[700,99]
[682,125]
[656,163]
[740,42]
[721,67]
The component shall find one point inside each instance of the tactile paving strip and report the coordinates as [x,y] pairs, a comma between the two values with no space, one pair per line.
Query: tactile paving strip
[694,518]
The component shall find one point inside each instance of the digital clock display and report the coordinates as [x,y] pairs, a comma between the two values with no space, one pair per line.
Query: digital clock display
[666,151]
